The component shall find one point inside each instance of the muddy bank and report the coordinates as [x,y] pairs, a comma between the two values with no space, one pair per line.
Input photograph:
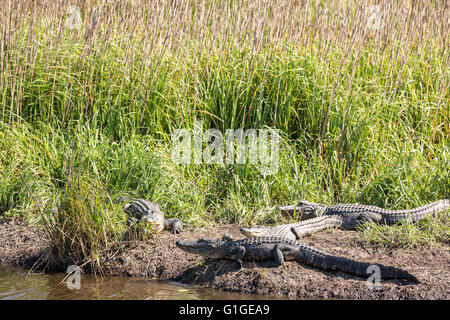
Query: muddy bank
[23,245]
[160,258]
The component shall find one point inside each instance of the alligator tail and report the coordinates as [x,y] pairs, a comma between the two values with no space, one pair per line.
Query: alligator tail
[416,214]
[318,259]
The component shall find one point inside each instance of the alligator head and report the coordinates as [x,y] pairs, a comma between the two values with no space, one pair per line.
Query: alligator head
[256,231]
[305,209]
[155,218]
[206,247]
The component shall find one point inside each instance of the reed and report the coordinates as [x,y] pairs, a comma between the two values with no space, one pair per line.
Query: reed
[359,93]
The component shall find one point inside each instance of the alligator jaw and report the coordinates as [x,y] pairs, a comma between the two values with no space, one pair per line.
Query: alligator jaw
[207,247]
[204,247]
[288,209]
[292,211]
[255,232]
[189,246]
[304,209]
[157,221]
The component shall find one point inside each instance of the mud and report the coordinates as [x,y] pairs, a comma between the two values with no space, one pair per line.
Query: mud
[159,258]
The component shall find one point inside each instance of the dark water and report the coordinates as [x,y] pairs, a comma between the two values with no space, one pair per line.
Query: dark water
[17,283]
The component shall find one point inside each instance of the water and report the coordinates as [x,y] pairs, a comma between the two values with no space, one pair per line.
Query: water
[20,284]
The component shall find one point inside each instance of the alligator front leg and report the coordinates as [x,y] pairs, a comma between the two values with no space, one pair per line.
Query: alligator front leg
[174,225]
[297,233]
[132,221]
[301,232]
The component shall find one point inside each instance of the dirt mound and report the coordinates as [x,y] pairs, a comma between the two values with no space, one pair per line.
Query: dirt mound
[160,258]
[22,245]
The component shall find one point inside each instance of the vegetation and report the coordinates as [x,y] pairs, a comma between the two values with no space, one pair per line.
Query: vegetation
[89,100]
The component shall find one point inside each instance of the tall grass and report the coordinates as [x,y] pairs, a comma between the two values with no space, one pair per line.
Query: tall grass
[363,112]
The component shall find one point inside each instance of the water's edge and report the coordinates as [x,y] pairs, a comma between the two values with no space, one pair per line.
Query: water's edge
[20,284]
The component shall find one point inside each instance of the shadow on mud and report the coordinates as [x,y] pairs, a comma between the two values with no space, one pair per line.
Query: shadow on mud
[207,271]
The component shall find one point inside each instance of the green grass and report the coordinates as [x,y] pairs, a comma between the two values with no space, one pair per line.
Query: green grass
[87,116]
[432,230]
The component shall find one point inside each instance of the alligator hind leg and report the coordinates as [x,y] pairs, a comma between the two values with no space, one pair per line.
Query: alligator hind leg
[238,254]
[278,257]
[273,259]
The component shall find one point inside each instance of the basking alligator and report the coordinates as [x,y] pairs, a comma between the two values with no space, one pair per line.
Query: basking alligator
[346,216]
[277,249]
[149,212]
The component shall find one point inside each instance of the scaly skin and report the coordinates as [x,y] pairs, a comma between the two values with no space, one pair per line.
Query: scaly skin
[142,210]
[277,250]
[347,216]
[353,212]
[293,231]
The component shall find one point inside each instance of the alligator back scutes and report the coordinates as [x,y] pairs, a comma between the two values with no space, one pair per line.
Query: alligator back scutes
[343,208]
[262,241]
[140,207]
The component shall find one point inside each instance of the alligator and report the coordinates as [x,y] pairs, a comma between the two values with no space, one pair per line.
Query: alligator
[142,210]
[277,249]
[346,216]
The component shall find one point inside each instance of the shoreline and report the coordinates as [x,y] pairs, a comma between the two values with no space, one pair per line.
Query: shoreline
[158,258]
